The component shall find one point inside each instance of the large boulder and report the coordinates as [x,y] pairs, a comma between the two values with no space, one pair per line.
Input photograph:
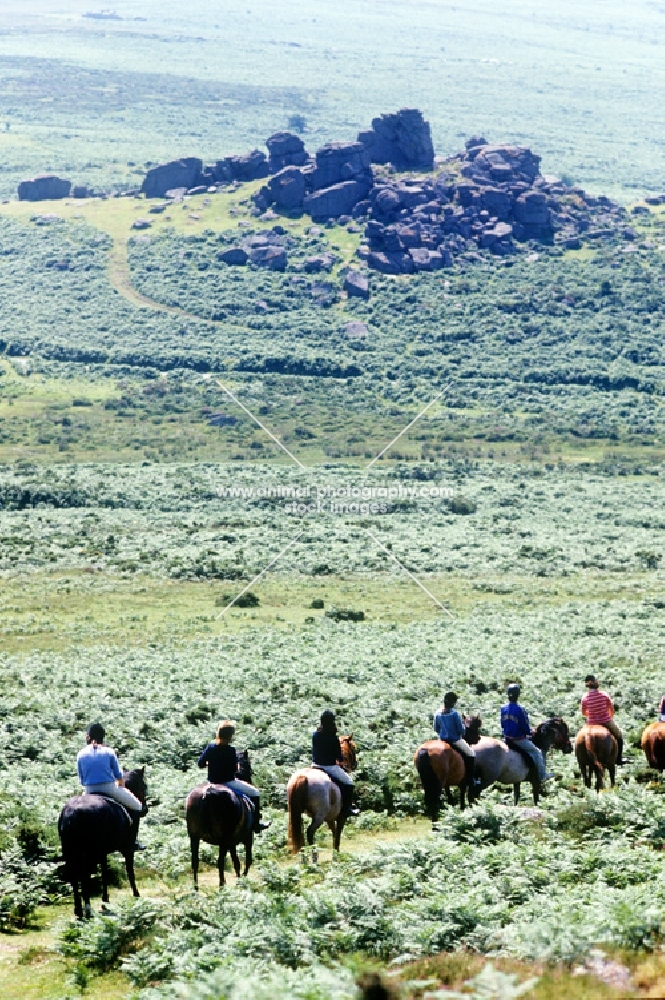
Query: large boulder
[285,150]
[356,285]
[287,188]
[48,187]
[233,256]
[497,164]
[248,167]
[338,199]
[184,173]
[271,256]
[341,161]
[403,139]
[391,262]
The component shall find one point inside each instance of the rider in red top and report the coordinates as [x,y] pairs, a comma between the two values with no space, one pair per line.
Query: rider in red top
[598,709]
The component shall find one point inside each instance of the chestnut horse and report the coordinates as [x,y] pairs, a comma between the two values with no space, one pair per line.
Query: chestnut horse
[311,791]
[596,749]
[90,828]
[497,762]
[653,744]
[440,766]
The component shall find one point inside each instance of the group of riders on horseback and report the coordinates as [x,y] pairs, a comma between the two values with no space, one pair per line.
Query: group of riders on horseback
[226,810]
[100,774]
[596,706]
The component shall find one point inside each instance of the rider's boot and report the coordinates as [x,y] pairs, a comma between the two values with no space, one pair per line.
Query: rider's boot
[258,823]
[347,801]
[473,784]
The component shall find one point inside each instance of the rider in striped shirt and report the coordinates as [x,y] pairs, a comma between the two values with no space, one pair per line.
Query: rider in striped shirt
[598,709]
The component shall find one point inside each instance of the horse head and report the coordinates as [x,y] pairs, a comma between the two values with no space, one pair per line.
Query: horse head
[243,766]
[135,782]
[348,752]
[472,729]
[553,733]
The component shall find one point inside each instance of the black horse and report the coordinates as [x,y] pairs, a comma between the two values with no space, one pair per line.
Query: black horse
[219,816]
[90,828]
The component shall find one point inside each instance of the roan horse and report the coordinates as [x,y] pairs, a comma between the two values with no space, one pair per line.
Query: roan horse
[497,762]
[439,766]
[90,828]
[596,749]
[311,791]
[222,817]
[653,744]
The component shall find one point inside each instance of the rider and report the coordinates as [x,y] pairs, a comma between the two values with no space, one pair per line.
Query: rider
[327,755]
[222,762]
[517,730]
[598,709]
[449,726]
[100,774]
[661,710]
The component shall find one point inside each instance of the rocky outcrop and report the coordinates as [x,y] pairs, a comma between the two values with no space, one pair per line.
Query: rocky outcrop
[185,173]
[48,187]
[334,201]
[285,150]
[340,179]
[403,139]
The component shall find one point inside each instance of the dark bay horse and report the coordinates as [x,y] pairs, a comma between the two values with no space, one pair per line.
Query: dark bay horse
[219,816]
[596,749]
[90,828]
[440,766]
[311,791]
[497,762]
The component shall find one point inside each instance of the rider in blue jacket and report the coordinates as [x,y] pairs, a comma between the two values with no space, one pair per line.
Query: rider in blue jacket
[517,730]
[449,726]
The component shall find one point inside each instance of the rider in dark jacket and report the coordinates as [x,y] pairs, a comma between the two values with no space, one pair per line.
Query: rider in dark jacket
[327,755]
[221,760]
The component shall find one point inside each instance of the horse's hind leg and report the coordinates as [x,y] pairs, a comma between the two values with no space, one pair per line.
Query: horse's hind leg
[235,859]
[248,855]
[85,892]
[312,828]
[105,879]
[337,831]
[129,866]
[78,906]
[612,774]
[221,861]
[516,793]
[194,847]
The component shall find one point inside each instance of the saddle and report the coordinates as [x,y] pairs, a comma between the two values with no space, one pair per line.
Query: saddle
[317,767]
[514,745]
[109,798]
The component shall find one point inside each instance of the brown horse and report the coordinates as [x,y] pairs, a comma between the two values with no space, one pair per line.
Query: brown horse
[221,817]
[653,744]
[311,791]
[441,767]
[596,749]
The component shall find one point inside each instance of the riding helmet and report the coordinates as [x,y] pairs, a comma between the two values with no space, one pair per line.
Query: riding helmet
[513,690]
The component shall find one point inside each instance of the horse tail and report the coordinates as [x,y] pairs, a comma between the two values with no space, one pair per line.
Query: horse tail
[594,762]
[428,778]
[298,796]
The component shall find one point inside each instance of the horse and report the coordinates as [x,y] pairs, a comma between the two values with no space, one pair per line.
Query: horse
[219,816]
[440,766]
[497,762]
[91,827]
[312,791]
[653,744]
[596,749]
